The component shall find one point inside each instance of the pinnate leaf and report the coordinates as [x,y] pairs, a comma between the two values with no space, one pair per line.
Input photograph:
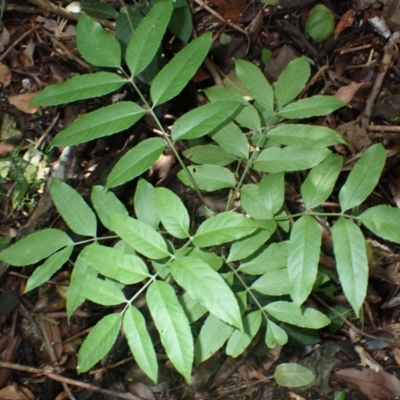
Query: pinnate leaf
[172,325]
[80,87]
[363,177]
[207,287]
[35,247]
[73,209]
[99,341]
[384,221]
[102,122]
[177,73]
[96,46]
[140,342]
[136,161]
[351,261]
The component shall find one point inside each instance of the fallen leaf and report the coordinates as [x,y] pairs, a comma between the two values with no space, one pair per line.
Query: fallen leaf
[346,21]
[27,56]
[4,39]
[12,393]
[230,9]
[394,186]
[5,75]
[346,93]
[22,101]
[376,385]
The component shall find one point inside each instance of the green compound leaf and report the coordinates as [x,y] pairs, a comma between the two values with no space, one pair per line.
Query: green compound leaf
[209,154]
[351,261]
[384,221]
[272,192]
[172,325]
[106,203]
[35,247]
[144,204]
[80,87]
[177,73]
[240,339]
[363,177]
[320,181]
[208,177]
[252,203]
[147,37]
[213,334]
[290,158]
[273,283]
[96,46]
[291,81]
[311,107]
[140,342]
[136,161]
[102,122]
[256,83]
[300,134]
[99,341]
[275,335]
[232,140]
[45,271]
[222,228]
[320,24]
[304,251]
[114,264]
[299,316]
[293,375]
[139,236]
[73,209]
[172,212]
[207,287]
[202,120]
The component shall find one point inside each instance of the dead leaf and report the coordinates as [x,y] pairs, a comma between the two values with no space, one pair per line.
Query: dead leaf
[356,136]
[26,58]
[366,360]
[4,39]
[394,186]
[48,24]
[346,93]
[21,101]
[230,9]
[346,21]
[5,75]
[376,385]
[11,392]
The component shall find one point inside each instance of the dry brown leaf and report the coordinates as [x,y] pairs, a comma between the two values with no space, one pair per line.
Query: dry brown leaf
[376,385]
[27,56]
[229,9]
[21,101]
[5,75]
[394,186]
[346,93]
[346,21]
[4,39]
[11,392]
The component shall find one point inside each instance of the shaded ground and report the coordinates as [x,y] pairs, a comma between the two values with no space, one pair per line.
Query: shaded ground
[37,48]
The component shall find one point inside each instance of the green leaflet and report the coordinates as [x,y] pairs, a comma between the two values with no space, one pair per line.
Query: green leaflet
[320,24]
[305,135]
[299,316]
[208,177]
[304,251]
[181,24]
[35,247]
[252,202]
[106,203]
[99,341]
[45,271]
[96,46]
[73,209]
[363,177]
[256,83]
[213,334]
[140,342]
[136,161]
[147,37]
[172,325]
[240,339]
[209,154]
[320,181]
[311,107]
[291,81]
[222,228]
[275,335]
[170,81]
[293,375]
[172,212]
[78,88]
[272,192]
[207,287]
[193,309]
[351,261]
[139,236]
[273,283]
[97,9]
[202,120]
[384,221]
[144,204]
[102,122]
